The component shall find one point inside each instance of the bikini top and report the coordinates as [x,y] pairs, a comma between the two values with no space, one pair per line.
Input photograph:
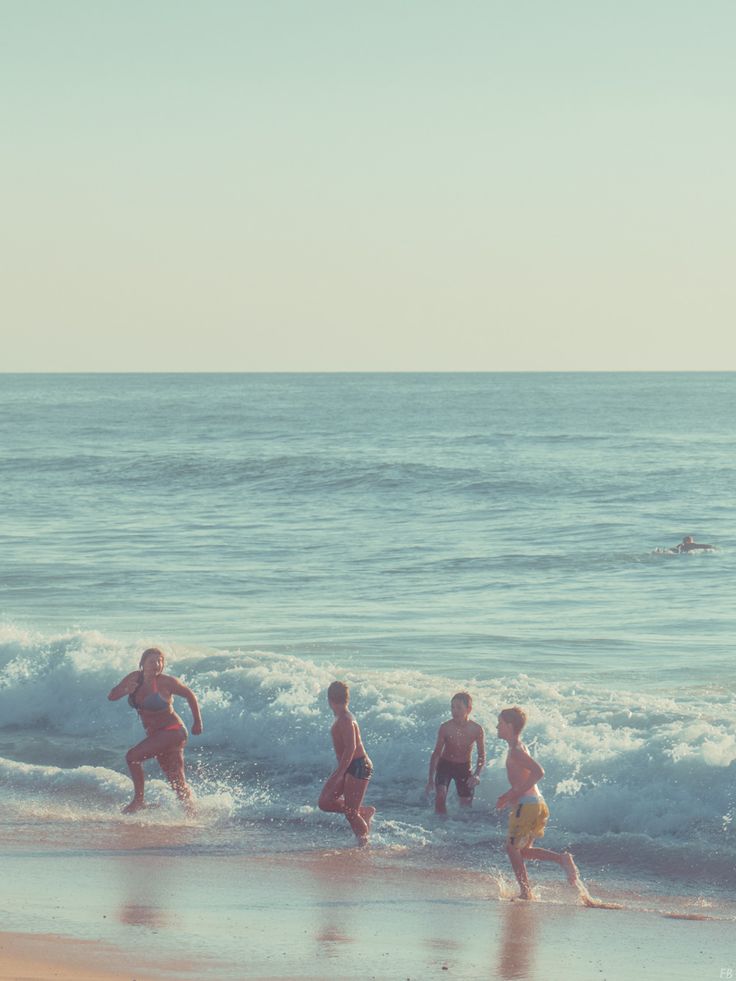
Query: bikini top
[153,702]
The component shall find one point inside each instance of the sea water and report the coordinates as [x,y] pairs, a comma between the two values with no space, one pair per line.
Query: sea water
[412,534]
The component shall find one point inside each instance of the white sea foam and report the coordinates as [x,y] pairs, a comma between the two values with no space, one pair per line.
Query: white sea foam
[617,763]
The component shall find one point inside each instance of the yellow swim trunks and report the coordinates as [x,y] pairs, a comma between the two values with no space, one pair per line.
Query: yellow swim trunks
[527,821]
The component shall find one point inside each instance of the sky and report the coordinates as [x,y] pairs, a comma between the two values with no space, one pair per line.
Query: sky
[413,185]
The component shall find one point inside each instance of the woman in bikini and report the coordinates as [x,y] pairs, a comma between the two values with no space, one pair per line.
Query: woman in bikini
[150,692]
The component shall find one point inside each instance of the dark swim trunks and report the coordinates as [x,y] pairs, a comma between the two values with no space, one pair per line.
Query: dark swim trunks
[459,772]
[361,768]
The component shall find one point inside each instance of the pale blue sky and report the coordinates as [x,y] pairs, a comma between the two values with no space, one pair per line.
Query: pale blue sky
[385,186]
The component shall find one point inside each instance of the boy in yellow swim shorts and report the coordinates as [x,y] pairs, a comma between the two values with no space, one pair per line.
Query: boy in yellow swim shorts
[529,812]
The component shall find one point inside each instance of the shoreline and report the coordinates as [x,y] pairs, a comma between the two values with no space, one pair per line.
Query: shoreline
[334,914]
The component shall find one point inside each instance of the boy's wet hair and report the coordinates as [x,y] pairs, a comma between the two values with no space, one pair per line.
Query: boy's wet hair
[515,717]
[339,693]
[464,698]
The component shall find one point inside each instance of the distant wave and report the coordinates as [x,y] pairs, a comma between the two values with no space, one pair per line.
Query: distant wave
[303,473]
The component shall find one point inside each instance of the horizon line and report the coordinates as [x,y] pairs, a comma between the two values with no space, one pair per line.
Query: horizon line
[391,371]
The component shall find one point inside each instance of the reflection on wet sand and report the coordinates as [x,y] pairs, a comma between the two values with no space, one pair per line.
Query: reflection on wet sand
[144,879]
[337,878]
[517,952]
[143,887]
[146,916]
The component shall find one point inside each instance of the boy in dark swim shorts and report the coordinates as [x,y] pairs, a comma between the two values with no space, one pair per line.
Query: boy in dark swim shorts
[451,758]
[461,773]
[345,788]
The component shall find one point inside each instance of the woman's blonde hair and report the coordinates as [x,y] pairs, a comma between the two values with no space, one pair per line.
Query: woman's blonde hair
[148,652]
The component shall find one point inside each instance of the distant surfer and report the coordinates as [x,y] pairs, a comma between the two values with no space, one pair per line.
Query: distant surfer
[345,788]
[150,693]
[688,544]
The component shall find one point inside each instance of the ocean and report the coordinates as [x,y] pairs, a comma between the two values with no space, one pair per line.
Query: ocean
[412,534]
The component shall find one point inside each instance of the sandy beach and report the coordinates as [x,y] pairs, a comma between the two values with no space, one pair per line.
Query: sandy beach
[41,956]
[358,914]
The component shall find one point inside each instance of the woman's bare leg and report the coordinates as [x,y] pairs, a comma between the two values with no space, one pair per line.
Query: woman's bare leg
[149,747]
[136,774]
[172,764]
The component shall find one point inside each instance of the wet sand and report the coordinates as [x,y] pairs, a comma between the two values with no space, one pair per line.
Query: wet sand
[356,914]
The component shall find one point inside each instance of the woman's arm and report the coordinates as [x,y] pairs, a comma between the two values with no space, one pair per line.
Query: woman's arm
[177,688]
[126,687]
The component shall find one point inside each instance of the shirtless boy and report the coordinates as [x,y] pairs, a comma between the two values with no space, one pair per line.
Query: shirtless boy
[450,759]
[529,811]
[346,786]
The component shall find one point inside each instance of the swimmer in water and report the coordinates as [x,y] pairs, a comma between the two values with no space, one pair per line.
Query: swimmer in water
[688,544]
[150,693]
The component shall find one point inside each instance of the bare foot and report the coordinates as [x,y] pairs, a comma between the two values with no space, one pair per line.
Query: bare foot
[362,840]
[571,869]
[526,894]
[135,805]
